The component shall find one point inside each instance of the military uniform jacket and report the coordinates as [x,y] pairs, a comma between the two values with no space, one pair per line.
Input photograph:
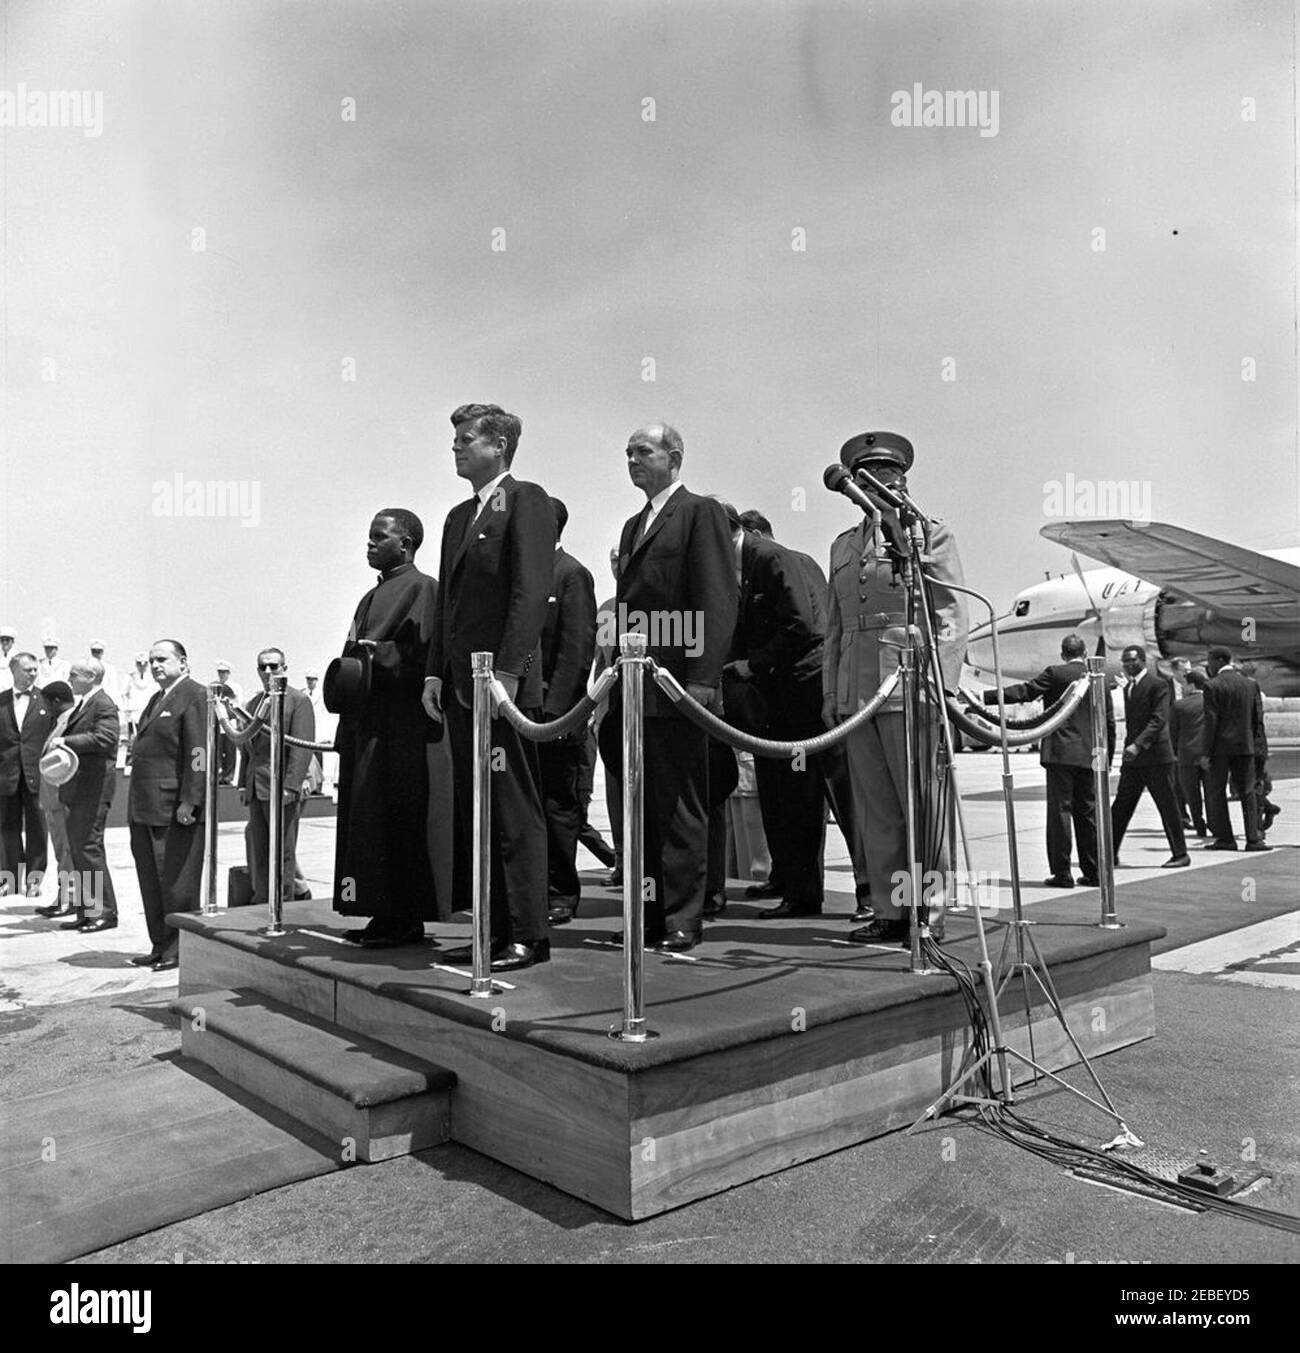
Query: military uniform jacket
[864,599]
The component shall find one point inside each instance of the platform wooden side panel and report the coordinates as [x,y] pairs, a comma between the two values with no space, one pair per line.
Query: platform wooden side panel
[717,1121]
[209,965]
[555,1118]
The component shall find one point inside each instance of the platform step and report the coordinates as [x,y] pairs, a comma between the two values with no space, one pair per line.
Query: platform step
[375,1101]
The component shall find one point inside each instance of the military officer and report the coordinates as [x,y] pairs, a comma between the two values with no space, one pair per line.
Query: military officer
[867,608]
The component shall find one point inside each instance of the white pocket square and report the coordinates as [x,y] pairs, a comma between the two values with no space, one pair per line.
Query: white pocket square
[165,714]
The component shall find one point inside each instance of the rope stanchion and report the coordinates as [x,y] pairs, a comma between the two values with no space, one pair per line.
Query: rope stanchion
[1101,775]
[210,781]
[988,729]
[481,984]
[275,811]
[633,661]
[747,742]
[567,723]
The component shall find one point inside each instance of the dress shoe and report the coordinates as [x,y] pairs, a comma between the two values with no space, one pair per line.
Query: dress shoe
[562,913]
[463,956]
[677,942]
[166,964]
[1088,881]
[760,890]
[144,960]
[1258,845]
[788,909]
[614,879]
[55,910]
[1059,881]
[79,924]
[1221,845]
[394,936]
[650,941]
[1183,861]
[98,924]
[1202,833]
[880,931]
[865,914]
[715,904]
[516,956]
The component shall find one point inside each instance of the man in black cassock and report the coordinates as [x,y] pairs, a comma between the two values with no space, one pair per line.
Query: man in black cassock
[381,862]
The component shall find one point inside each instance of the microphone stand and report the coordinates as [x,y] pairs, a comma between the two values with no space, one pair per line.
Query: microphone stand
[920,603]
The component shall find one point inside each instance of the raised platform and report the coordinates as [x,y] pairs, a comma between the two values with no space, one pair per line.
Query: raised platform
[776,1042]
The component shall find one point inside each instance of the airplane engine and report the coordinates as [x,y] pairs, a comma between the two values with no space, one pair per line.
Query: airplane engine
[1134,622]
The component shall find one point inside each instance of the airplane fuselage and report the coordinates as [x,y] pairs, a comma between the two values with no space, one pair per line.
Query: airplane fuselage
[1129,610]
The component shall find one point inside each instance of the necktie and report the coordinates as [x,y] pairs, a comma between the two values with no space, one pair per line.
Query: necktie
[642,526]
[475,507]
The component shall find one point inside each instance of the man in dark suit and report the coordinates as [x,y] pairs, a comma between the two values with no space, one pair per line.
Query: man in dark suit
[1187,733]
[778,649]
[165,803]
[568,642]
[497,563]
[835,761]
[1066,756]
[1235,742]
[1148,761]
[92,731]
[255,780]
[26,720]
[677,584]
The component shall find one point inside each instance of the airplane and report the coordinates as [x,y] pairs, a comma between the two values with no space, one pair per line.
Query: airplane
[1169,589]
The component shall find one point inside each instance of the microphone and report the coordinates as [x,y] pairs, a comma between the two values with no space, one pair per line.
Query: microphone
[839,480]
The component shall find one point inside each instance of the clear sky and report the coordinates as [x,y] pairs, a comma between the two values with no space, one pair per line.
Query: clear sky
[132,357]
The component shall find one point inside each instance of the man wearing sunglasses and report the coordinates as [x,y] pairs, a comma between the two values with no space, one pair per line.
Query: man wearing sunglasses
[255,783]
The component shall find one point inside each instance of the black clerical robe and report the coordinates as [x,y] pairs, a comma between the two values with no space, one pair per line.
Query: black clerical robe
[394,790]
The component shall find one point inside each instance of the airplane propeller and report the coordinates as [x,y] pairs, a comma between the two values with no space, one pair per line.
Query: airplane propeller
[1094,612]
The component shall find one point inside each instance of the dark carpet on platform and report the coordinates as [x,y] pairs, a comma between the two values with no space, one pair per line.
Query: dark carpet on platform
[98,1162]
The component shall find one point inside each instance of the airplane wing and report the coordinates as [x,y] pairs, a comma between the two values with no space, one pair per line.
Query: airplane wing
[1231,580]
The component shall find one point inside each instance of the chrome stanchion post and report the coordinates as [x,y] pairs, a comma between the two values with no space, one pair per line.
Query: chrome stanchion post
[1098,694]
[275,810]
[210,792]
[481,667]
[632,648]
[915,879]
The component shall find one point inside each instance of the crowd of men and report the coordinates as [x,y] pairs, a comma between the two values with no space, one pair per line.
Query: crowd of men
[1182,746]
[752,630]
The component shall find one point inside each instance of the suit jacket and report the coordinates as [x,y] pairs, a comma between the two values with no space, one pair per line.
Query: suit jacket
[677,584]
[776,626]
[1071,744]
[496,575]
[92,731]
[568,636]
[1234,716]
[167,762]
[1146,720]
[299,722]
[20,749]
[1187,727]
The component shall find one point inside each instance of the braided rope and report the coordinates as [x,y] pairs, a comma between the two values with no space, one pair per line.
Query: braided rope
[986,729]
[557,728]
[255,725]
[748,742]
